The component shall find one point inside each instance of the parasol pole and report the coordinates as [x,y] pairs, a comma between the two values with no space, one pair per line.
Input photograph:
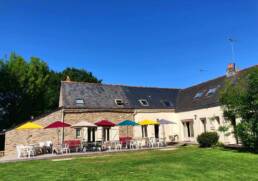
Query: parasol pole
[63,126]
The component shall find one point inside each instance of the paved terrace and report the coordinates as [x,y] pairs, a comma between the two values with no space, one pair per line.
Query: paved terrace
[55,157]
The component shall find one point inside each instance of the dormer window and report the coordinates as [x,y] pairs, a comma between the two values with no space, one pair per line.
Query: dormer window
[79,101]
[144,102]
[198,95]
[119,102]
[166,103]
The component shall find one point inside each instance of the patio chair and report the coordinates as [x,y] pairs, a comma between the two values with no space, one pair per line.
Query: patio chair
[152,142]
[42,147]
[20,149]
[60,149]
[30,151]
[49,146]
[74,145]
[97,146]
[125,141]
[117,145]
[159,142]
[173,138]
[65,149]
[106,146]
[162,141]
[133,144]
[138,144]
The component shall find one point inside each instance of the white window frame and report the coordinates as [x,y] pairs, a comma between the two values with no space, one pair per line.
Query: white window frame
[211,91]
[79,101]
[78,132]
[144,100]
[122,102]
[198,95]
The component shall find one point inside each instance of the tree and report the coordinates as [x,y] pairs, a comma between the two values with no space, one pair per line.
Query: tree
[240,100]
[30,88]
[79,75]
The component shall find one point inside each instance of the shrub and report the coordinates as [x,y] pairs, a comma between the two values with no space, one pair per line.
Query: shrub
[247,136]
[208,139]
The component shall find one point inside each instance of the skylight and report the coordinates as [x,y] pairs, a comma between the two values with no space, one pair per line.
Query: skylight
[198,95]
[79,101]
[166,103]
[144,102]
[119,102]
[211,91]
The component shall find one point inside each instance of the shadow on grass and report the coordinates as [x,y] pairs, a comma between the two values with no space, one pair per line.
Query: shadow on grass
[236,148]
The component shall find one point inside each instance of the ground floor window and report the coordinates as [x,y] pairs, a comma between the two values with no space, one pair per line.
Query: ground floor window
[204,123]
[144,131]
[78,132]
[106,133]
[156,129]
[91,134]
[188,129]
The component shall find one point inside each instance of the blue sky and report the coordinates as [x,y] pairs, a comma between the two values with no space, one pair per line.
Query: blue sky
[136,42]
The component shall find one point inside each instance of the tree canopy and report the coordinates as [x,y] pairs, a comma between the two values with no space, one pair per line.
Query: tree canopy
[240,100]
[30,88]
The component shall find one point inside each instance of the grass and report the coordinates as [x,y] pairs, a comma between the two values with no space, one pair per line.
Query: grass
[189,163]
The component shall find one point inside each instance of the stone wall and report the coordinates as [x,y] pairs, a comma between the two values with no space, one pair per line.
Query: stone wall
[14,137]
[114,117]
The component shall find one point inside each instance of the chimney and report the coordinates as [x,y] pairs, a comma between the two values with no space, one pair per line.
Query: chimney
[68,79]
[231,70]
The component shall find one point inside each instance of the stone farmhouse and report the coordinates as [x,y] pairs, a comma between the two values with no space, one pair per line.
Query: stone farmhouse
[193,111]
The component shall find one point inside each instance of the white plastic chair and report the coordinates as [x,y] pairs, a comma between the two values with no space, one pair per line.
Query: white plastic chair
[20,149]
[138,144]
[65,149]
[118,145]
[159,142]
[30,151]
[41,144]
[152,142]
[48,145]
[162,141]
[133,144]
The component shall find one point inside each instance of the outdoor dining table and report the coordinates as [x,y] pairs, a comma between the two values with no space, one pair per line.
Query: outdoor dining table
[91,146]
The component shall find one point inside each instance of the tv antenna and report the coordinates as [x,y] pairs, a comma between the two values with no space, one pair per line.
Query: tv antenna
[232,43]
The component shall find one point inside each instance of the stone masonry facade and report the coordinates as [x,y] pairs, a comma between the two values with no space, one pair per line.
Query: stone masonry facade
[14,137]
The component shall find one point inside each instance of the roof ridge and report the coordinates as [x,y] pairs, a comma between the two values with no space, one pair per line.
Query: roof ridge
[219,77]
[205,82]
[122,85]
[180,89]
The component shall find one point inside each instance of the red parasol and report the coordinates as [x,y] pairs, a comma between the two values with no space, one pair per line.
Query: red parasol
[105,123]
[58,124]
[106,127]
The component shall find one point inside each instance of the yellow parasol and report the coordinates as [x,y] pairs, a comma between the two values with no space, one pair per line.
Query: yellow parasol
[27,126]
[147,122]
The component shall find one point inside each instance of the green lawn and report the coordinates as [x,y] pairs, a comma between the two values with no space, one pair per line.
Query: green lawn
[189,163]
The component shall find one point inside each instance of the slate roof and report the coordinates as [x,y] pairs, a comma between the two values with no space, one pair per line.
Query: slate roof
[187,101]
[102,96]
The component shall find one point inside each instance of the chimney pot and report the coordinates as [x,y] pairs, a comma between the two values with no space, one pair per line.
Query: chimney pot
[231,70]
[68,79]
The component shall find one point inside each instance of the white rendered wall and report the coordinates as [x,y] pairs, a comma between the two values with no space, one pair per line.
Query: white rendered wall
[207,113]
[169,129]
[177,129]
